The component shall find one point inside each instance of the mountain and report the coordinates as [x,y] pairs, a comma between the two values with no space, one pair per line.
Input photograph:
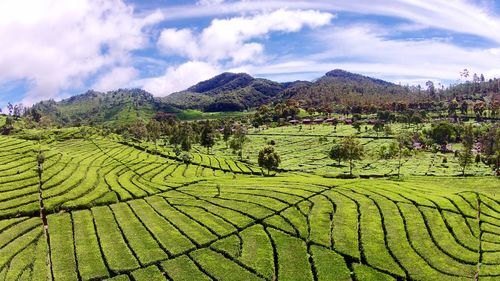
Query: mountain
[118,107]
[339,86]
[240,91]
[226,92]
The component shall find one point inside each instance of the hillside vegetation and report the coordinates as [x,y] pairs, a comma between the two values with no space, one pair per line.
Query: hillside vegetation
[231,92]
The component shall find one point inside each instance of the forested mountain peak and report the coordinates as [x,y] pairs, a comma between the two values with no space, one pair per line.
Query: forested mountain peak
[342,75]
[226,80]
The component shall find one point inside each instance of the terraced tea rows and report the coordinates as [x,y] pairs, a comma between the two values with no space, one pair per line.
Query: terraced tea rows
[82,173]
[119,212]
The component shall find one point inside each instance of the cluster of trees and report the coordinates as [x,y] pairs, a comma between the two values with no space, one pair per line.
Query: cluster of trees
[478,144]
[207,133]
[349,149]
[278,113]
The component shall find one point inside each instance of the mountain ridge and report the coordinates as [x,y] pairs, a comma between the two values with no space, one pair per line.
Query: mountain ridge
[224,92]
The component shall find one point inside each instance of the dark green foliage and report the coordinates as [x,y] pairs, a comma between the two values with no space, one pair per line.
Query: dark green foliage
[238,141]
[335,153]
[120,107]
[351,150]
[207,137]
[226,92]
[269,159]
[442,133]
[465,156]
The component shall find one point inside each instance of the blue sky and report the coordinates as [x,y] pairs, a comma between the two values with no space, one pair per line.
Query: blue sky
[57,48]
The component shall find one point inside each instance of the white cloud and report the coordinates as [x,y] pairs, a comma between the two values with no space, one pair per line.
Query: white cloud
[179,78]
[58,44]
[209,2]
[459,15]
[224,40]
[118,77]
[423,58]
[366,49]
[229,38]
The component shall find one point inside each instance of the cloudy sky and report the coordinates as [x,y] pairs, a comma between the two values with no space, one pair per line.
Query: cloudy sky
[58,48]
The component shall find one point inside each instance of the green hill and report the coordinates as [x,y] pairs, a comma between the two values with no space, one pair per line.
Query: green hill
[226,92]
[116,107]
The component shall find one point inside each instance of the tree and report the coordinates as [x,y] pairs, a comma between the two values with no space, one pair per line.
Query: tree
[452,109]
[387,130]
[138,130]
[207,137]
[357,125]
[18,111]
[154,128]
[430,88]
[182,134]
[442,133]
[403,141]
[10,108]
[186,135]
[378,127]
[490,140]
[269,159]
[351,150]
[238,141]
[186,157]
[479,108]
[465,156]
[8,127]
[311,111]
[335,153]
[227,132]
[464,107]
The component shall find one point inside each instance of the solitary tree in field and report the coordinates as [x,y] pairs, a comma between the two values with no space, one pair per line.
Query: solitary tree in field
[465,156]
[378,127]
[227,132]
[336,153]
[351,150]
[238,141]
[403,141]
[207,137]
[269,159]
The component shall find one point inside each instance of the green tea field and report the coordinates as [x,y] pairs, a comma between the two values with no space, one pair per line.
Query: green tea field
[117,210]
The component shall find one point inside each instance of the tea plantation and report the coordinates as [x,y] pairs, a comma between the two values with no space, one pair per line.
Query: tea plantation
[117,210]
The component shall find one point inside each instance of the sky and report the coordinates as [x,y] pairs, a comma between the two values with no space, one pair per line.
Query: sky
[52,49]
